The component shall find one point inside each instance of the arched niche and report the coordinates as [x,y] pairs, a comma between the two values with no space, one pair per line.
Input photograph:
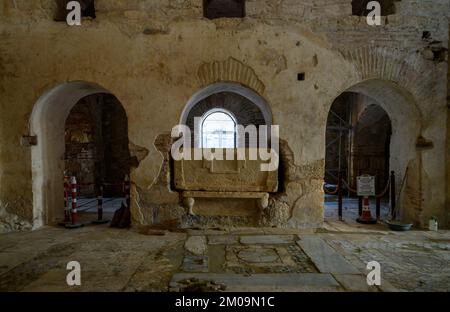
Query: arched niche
[246,106]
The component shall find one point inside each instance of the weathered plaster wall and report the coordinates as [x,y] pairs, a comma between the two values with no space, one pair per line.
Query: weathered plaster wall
[448,140]
[149,54]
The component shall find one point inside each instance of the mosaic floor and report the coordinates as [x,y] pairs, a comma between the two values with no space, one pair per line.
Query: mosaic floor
[333,258]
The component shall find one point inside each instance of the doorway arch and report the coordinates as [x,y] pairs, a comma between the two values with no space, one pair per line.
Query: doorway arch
[47,123]
[357,139]
[405,121]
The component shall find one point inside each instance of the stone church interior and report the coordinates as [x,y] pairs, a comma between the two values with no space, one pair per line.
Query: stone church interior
[224,146]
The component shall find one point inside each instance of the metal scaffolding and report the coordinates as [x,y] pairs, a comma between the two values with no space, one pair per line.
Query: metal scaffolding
[338,136]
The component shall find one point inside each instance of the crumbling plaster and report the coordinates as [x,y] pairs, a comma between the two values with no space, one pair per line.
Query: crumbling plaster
[448,141]
[149,53]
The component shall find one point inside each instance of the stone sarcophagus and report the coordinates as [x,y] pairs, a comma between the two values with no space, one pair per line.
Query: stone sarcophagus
[230,186]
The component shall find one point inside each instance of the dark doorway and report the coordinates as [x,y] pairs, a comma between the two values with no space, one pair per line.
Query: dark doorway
[97,153]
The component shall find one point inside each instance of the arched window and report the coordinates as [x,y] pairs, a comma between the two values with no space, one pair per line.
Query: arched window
[218,129]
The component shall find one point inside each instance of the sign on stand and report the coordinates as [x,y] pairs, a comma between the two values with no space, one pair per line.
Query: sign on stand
[365,185]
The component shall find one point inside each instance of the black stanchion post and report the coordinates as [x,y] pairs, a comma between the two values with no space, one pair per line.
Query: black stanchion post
[360,199]
[127,190]
[100,203]
[339,185]
[360,205]
[100,219]
[393,199]
[378,198]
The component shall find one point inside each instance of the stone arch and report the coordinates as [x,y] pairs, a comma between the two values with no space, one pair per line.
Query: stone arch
[400,105]
[408,71]
[47,123]
[230,87]
[405,118]
[230,70]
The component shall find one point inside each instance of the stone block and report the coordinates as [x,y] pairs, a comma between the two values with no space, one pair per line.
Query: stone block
[267,239]
[325,258]
[354,282]
[222,240]
[196,245]
[266,282]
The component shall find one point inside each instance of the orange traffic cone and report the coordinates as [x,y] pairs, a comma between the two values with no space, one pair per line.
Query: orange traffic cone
[366,217]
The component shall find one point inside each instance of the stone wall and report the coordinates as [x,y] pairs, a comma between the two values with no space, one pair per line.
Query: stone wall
[448,142]
[152,54]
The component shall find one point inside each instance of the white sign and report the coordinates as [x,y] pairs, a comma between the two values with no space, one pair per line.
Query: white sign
[365,185]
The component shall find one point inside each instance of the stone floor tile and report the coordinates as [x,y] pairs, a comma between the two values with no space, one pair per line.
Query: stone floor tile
[326,259]
[267,239]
